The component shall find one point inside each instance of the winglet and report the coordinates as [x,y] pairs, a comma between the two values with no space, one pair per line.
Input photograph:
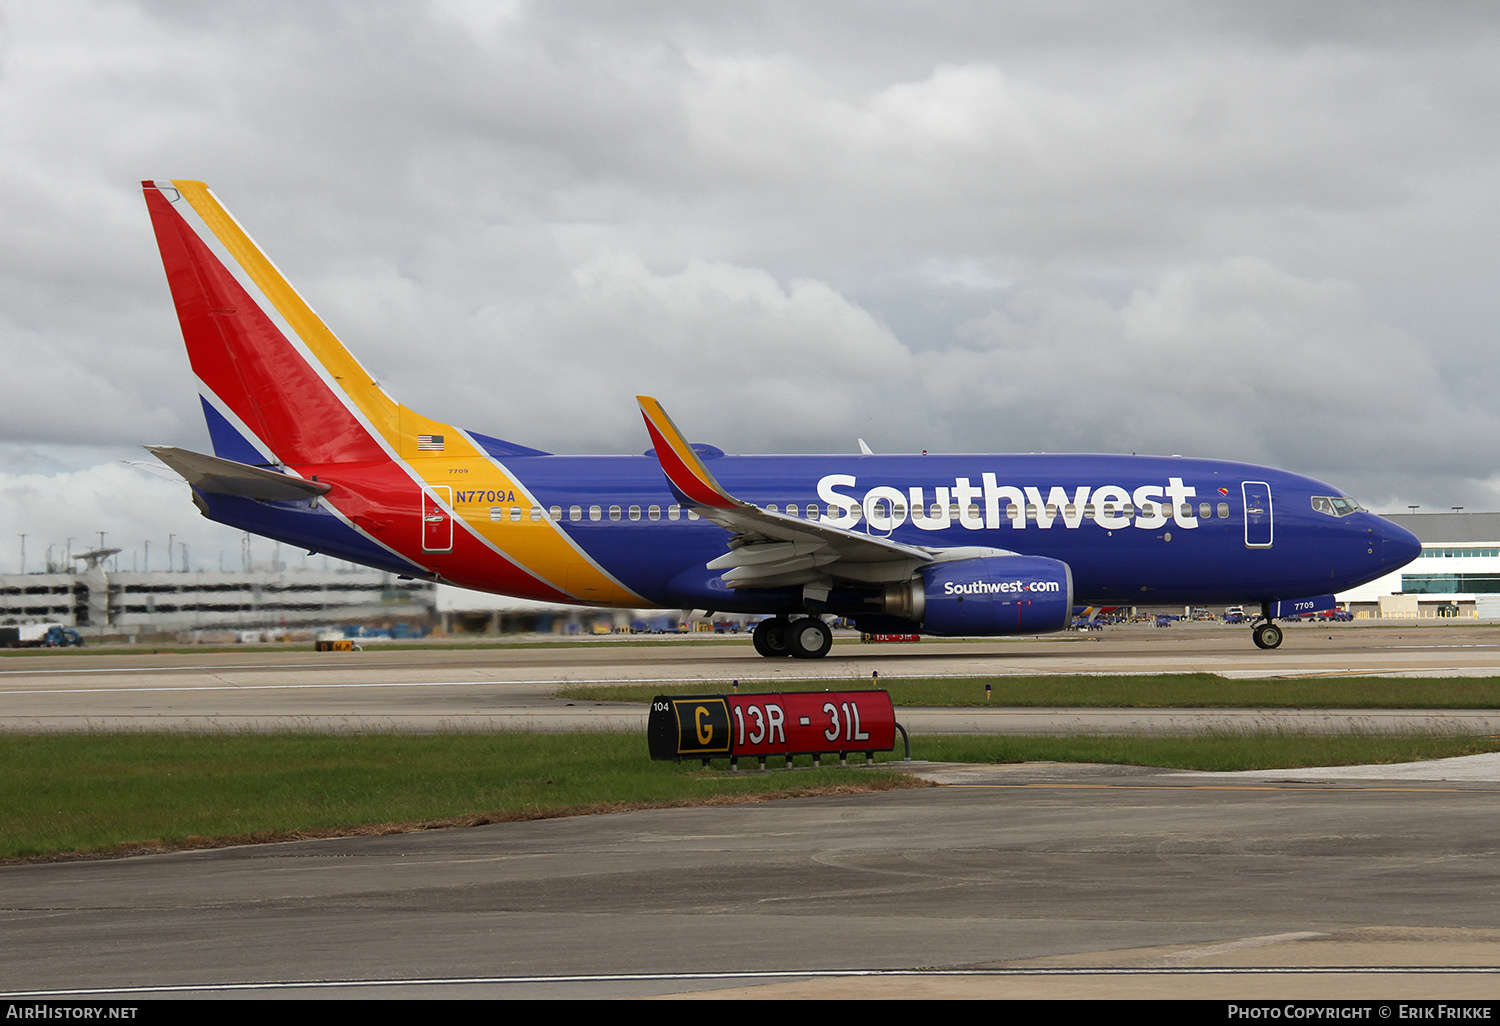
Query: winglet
[685,471]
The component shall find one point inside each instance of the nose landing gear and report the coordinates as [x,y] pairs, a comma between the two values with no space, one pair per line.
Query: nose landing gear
[1265,633]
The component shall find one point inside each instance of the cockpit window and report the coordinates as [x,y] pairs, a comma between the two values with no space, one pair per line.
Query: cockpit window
[1335,505]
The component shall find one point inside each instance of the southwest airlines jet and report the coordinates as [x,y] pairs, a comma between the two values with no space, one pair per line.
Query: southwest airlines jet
[310,450]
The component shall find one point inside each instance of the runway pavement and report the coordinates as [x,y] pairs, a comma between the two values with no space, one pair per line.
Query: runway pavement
[517,688]
[1038,880]
[1017,881]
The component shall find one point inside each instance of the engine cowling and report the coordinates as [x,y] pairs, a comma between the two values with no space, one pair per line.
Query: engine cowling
[987,595]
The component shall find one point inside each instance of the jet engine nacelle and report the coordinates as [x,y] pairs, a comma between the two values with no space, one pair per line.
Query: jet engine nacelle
[987,595]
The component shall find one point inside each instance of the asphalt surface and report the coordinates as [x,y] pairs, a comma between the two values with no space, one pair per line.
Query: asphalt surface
[517,688]
[1045,880]
[1039,880]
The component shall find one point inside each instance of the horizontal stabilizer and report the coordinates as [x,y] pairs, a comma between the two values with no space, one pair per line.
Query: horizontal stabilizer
[226,477]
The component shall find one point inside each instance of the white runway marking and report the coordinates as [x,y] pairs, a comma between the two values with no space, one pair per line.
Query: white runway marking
[766,975]
[539,681]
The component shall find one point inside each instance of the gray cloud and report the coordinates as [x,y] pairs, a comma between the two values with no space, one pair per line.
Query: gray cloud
[1263,233]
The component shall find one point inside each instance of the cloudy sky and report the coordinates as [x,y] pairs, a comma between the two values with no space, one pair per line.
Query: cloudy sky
[1253,231]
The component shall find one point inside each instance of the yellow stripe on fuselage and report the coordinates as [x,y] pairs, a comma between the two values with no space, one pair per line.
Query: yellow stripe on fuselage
[541,547]
[483,492]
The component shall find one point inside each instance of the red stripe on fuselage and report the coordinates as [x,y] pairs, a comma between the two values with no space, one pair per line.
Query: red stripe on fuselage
[384,502]
[243,358]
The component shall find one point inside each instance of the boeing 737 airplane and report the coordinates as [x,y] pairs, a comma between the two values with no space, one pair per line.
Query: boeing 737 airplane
[310,450]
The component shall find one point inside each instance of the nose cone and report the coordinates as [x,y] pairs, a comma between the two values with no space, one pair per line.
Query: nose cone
[1398,546]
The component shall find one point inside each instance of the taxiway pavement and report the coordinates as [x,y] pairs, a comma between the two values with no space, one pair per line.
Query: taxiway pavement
[1018,881]
[443,688]
[1038,880]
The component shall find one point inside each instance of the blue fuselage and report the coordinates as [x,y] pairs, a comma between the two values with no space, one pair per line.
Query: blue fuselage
[1134,529]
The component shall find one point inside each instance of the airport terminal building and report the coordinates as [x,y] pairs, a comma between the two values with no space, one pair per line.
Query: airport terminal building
[1457,574]
[124,603]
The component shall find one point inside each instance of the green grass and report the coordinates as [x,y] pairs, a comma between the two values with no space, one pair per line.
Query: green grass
[1218,751]
[98,792]
[1142,691]
[101,793]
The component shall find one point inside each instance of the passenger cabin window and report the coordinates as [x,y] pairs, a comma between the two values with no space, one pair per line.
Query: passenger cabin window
[653,513]
[1223,511]
[595,513]
[1204,511]
[673,512]
[635,512]
[515,514]
[614,512]
[536,514]
[575,512]
[555,513]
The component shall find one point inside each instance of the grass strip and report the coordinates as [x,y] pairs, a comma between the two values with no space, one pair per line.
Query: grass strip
[64,795]
[1126,691]
[113,792]
[1219,751]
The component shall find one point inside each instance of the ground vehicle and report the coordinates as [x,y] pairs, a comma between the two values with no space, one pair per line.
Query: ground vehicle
[40,635]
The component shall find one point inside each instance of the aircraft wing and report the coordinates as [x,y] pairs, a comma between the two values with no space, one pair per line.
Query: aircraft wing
[769,549]
[226,477]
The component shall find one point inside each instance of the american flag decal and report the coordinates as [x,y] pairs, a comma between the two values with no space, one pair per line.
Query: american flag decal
[429,443]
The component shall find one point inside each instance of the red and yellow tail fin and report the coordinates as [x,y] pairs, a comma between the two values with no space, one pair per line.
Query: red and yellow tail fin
[280,392]
[276,381]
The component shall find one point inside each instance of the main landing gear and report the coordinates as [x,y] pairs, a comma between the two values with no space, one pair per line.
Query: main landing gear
[802,637]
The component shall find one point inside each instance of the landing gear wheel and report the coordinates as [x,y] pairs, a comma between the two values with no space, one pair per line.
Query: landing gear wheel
[1266,635]
[808,638]
[769,637]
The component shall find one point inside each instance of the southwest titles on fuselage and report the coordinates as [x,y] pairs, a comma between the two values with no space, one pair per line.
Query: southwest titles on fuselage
[984,506]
